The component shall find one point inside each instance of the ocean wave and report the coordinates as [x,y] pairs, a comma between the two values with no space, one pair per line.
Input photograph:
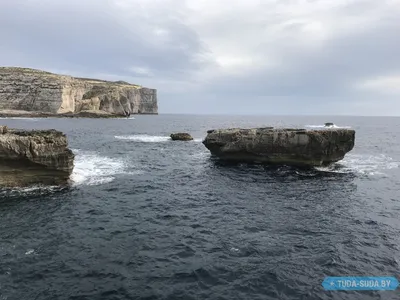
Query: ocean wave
[31,191]
[90,168]
[200,155]
[362,164]
[327,127]
[145,138]
[130,118]
[93,169]
[30,251]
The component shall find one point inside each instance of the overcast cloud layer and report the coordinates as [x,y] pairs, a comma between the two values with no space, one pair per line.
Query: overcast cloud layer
[240,57]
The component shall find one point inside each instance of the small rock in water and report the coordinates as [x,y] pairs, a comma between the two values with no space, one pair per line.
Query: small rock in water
[181,136]
[329,124]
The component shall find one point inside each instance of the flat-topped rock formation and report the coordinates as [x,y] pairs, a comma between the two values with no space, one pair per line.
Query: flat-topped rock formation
[298,147]
[34,157]
[26,91]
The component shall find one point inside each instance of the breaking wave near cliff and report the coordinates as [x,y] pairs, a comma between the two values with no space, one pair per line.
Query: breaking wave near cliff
[20,118]
[94,169]
[326,127]
[363,164]
[145,138]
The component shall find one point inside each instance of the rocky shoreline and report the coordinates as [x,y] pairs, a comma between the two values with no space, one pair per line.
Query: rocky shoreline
[29,157]
[82,114]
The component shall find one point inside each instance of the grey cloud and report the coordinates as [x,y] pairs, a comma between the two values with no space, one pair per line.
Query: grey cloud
[95,37]
[87,36]
[330,71]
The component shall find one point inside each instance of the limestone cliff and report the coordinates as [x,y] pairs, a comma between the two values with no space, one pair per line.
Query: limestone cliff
[23,89]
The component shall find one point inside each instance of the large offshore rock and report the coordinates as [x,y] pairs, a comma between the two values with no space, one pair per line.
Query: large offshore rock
[28,90]
[297,147]
[34,157]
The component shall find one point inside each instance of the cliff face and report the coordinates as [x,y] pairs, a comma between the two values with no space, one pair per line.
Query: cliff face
[38,91]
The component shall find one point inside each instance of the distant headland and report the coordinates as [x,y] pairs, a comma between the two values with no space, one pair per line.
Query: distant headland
[28,92]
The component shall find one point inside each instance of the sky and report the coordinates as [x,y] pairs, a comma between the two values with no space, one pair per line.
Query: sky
[291,57]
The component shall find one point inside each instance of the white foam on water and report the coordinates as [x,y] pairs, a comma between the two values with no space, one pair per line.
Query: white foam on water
[144,138]
[93,169]
[326,127]
[371,165]
[38,187]
[201,155]
[34,189]
[137,172]
[19,118]
[29,252]
[130,118]
[90,168]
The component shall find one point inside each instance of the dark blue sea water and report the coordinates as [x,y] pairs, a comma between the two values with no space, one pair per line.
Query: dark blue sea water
[149,218]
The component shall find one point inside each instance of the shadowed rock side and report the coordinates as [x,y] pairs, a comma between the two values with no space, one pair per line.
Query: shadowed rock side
[298,147]
[28,91]
[34,157]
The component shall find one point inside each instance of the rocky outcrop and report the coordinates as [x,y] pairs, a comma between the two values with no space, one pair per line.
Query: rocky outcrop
[31,90]
[34,157]
[297,147]
[181,136]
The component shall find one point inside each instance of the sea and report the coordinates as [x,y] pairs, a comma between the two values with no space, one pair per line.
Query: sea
[151,218]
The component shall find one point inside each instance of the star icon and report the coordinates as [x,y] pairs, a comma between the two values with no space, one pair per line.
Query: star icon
[332,283]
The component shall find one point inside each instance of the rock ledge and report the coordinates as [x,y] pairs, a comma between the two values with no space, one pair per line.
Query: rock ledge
[287,146]
[34,157]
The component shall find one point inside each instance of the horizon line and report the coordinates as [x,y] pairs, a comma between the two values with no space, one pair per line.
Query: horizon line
[277,115]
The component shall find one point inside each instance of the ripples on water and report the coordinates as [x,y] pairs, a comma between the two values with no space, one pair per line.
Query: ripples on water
[149,218]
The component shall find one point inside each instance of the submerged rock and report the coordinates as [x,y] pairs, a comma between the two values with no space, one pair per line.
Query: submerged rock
[34,157]
[181,136]
[286,146]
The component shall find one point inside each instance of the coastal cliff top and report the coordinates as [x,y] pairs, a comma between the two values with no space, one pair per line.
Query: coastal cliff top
[41,73]
[257,130]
